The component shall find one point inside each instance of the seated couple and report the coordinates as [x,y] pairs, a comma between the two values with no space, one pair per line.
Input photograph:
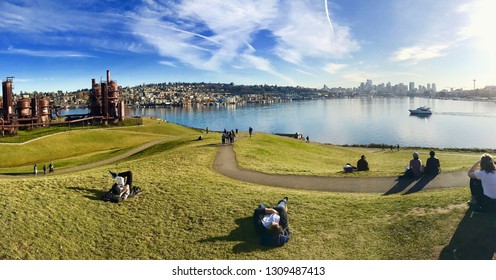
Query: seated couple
[272,224]
[362,165]
[416,169]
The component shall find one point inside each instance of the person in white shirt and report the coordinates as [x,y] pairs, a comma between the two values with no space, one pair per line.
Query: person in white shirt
[487,176]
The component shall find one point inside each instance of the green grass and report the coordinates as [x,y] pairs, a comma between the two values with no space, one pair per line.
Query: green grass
[284,155]
[188,211]
[77,147]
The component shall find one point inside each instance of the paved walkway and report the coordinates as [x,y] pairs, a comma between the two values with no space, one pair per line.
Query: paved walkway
[97,163]
[226,164]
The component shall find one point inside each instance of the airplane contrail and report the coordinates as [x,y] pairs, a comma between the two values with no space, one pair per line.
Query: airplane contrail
[328,16]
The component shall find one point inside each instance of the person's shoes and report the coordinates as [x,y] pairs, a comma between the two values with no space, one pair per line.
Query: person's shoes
[112,174]
[472,202]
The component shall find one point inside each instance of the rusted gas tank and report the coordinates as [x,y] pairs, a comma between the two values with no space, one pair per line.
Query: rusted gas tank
[24,108]
[44,109]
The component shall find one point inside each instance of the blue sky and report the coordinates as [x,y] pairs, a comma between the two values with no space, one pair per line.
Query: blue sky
[53,44]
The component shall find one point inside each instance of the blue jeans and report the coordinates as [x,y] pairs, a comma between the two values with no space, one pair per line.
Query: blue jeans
[281,209]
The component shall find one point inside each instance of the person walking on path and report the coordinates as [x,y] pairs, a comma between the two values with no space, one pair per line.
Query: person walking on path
[44,169]
[50,168]
[250,130]
[35,170]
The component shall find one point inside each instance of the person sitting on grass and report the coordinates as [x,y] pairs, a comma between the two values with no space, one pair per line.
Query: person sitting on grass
[486,200]
[432,167]
[415,168]
[362,164]
[272,224]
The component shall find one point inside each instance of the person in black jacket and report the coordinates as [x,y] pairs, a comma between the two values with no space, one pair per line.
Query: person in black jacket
[362,164]
[432,167]
[272,224]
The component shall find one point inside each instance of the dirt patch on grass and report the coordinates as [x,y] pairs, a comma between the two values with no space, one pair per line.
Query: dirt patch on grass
[418,211]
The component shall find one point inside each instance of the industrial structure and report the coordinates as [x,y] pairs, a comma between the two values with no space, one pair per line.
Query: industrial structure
[25,112]
[104,102]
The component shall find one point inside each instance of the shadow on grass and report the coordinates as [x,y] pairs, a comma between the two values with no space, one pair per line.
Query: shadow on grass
[92,194]
[245,233]
[474,239]
[420,184]
[401,184]
[19,174]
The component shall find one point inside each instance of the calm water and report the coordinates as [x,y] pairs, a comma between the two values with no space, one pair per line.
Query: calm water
[454,123]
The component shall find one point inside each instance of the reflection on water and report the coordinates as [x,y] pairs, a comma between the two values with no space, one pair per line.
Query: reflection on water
[454,123]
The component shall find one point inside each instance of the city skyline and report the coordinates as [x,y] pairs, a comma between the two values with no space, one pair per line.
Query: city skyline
[61,45]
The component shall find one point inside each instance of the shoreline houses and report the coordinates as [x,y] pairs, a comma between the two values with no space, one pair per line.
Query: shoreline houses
[213,94]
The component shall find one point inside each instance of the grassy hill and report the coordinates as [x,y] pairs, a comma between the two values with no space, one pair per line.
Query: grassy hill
[188,211]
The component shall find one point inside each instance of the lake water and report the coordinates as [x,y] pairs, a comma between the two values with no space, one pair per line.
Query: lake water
[454,123]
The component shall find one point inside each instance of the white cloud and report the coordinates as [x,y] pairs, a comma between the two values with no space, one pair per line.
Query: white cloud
[167,63]
[46,53]
[306,72]
[303,30]
[414,54]
[334,67]
[223,37]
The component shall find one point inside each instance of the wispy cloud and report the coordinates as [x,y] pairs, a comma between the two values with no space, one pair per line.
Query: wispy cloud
[306,72]
[168,63]
[46,53]
[223,38]
[415,54]
[334,67]
[73,24]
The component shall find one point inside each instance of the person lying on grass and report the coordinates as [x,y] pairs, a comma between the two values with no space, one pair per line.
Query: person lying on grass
[272,224]
[122,188]
[123,183]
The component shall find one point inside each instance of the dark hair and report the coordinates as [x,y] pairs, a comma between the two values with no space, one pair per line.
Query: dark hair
[487,163]
[432,153]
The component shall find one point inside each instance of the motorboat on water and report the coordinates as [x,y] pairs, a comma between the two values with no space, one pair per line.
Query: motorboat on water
[421,111]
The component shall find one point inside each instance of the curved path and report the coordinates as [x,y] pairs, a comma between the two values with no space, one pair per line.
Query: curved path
[226,164]
[99,163]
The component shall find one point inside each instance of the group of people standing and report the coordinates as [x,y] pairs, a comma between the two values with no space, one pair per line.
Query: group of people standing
[228,136]
[50,169]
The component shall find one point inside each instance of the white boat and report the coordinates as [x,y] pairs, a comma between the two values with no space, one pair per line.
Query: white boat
[421,111]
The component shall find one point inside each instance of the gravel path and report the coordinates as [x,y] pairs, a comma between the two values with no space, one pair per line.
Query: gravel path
[98,163]
[226,164]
